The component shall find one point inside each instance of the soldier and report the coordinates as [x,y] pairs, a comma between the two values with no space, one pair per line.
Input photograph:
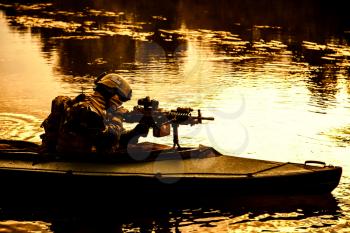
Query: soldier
[93,122]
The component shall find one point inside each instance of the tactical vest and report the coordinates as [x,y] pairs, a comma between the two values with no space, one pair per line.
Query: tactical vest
[82,125]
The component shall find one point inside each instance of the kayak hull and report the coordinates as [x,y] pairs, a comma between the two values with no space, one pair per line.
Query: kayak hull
[317,182]
[194,172]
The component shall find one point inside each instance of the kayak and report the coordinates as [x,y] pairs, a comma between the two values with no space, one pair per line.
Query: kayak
[150,169]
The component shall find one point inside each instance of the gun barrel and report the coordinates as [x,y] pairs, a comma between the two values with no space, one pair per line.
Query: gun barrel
[204,118]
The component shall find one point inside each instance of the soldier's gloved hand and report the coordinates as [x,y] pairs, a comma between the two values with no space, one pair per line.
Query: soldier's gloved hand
[142,129]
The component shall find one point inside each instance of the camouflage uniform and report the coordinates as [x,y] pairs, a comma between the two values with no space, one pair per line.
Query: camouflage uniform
[85,124]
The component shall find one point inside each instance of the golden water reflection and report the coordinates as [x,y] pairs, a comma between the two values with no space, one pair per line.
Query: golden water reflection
[278,89]
[269,95]
[25,226]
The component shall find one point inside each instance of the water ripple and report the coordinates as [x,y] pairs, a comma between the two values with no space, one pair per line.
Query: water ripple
[20,127]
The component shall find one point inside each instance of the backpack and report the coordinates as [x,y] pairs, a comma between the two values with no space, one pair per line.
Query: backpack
[53,122]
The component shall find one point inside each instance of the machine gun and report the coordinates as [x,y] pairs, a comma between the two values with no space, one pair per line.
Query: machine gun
[148,111]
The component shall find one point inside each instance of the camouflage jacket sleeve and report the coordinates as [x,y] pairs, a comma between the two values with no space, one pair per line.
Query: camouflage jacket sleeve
[124,136]
[113,129]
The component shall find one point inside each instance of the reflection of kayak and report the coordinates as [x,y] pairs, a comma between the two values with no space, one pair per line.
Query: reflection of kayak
[154,169]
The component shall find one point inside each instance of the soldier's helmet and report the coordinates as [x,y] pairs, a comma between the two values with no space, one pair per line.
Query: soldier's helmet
[115,85]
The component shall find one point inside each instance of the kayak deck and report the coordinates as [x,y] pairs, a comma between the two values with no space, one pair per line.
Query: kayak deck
[153,168]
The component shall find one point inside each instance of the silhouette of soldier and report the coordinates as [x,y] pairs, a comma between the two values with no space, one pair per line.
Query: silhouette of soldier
[90,123]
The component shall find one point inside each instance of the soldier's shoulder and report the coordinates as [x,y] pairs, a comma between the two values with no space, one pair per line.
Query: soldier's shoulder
[61,99]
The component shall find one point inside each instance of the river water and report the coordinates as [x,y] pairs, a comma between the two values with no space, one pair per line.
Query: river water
[274,74]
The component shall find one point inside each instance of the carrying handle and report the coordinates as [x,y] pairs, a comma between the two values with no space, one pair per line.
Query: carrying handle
[315,162]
